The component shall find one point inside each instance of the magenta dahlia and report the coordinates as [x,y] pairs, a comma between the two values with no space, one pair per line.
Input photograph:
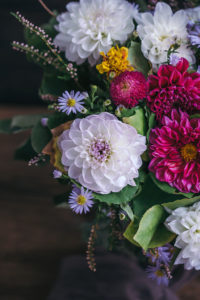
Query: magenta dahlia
[175,152]
[128,88]
[174,87]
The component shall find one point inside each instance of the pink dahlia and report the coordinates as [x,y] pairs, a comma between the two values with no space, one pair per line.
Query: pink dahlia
[128,88]
[174,87]
[175,152]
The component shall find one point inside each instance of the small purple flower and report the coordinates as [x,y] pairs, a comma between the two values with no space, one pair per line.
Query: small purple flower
[44,122]
[71,102]
[80,200]
[174,59]
[57,174]
[194,34]
[160,255]
[158,274]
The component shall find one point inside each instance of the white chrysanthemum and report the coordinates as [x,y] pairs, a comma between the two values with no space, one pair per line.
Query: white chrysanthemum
[185,222]
[102,153]
[160,31]
[193,13]
[91,26]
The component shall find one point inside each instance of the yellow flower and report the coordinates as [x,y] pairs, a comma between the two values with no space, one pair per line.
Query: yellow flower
[115,62]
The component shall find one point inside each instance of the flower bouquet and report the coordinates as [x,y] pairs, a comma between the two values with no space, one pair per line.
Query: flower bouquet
[122,86]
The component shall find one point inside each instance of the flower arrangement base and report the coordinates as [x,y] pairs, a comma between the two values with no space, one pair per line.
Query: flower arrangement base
[117,277]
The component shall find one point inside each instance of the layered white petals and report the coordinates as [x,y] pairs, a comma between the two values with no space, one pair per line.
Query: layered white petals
[125,146]
[193,13]
[160,31]
[185,222]
[91,26]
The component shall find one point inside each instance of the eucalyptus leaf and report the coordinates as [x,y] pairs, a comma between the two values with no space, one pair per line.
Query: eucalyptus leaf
[130,232]
[40,137]
[138,121]
[161,237]
[180,203]
[152,123]
[148,225]
[137,59]
[26,121]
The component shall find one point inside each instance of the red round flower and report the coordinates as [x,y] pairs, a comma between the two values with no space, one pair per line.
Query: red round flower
[128,88]
[174,87]
[175,152]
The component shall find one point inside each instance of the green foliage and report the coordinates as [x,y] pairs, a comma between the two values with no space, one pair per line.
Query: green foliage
[61,200]
[148,225]
[151,195]
[151,124]
[137,59]
[40,137]
[131,231]
[195,116]
[167,188]
[123,197]
[23,122]
[25,151]
[137,120]
[57,119]
[182,202]
[5,126]
[52,85]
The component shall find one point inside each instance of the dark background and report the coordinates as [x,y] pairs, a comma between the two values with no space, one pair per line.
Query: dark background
[20,80]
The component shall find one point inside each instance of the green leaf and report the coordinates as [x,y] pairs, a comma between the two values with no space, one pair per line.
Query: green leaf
[52,85]
[128,210]
[137,59]
[148,225]
[25,121]
[5,126]
[195,116]
[150,196]
[142,5]
[40,137]
[57,119]
[124,196]
[61,200]
[167,188]
[152,123]
[161,237]
[137,120]
[126,112]
[25,151]
[130,232]
[182,202]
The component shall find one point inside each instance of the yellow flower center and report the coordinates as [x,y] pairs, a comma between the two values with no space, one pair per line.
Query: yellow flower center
[189,152]
[159,273]
[81,200]
[71,102]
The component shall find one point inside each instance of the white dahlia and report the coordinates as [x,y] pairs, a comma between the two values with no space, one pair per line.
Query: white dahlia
[91,26]
[193,13]
[160,31]
[185,222]
[102,153]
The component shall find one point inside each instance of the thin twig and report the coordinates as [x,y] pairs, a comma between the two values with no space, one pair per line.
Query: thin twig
[46,8]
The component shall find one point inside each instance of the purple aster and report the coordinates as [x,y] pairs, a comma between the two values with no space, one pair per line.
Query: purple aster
[158,274]
[80,200]
[160,254]
[71,102]
[57,174]
[194,34]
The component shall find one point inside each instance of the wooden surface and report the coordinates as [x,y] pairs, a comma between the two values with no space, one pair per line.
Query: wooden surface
[34,235]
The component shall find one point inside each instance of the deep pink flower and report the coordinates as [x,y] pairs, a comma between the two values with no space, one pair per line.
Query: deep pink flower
[174,87]
[128,88]
[175,152]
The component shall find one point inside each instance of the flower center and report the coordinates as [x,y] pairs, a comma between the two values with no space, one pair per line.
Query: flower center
[125,85]
[100,150]
[81,200]
[159,273]
[71,102]
[189,152]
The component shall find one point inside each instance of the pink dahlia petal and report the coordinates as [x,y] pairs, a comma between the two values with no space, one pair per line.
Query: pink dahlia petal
[128,88]
[175,152]
[173,87]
